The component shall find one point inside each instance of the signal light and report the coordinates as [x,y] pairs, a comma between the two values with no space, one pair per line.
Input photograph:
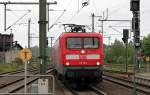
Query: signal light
[135,5]
[47,41]
[125,35]
[137,38]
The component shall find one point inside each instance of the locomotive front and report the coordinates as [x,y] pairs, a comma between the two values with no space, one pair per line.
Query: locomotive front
[82,56]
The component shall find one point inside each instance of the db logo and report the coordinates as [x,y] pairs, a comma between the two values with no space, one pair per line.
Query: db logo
[82,57]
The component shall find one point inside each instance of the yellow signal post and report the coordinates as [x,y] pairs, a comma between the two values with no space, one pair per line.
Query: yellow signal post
[25,55]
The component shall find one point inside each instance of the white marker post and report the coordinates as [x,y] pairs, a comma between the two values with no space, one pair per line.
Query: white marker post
[147,60]
[25,55]
[25,77]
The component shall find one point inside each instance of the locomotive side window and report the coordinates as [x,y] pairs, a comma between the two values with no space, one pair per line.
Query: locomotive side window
[91,42]
[74,43]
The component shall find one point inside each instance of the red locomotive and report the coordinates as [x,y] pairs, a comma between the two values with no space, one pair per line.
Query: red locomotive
[79,55]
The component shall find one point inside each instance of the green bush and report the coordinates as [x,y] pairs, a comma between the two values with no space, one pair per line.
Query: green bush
[10,67]
[18,61]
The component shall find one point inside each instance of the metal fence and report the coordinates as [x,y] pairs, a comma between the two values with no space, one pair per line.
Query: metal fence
[36,78]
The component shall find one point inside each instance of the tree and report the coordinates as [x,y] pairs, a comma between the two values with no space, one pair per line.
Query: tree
[146,46]
[35,51]
[116,53]
[130,52]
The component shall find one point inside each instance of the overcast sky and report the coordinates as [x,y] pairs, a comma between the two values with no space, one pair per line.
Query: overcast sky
[117,9]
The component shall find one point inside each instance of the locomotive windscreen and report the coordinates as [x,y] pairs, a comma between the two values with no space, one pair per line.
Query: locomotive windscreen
[86,42]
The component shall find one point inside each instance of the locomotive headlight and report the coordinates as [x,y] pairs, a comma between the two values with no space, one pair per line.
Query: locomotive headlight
[67,63]
[98,63]
[82,51]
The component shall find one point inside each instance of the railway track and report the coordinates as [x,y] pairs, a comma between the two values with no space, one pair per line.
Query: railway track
[85,90]
[143,80]
[91,90]
[10,73]
[99,92]
[140,79]
[15,82]
[10,78]
[127,83]
[16,72]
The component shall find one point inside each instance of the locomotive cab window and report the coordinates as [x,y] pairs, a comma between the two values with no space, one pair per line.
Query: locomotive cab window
[91,42]
[77,43]
[74,43]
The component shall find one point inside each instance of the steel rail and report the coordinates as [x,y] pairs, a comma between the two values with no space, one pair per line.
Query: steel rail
[22,85]
[127,83]
[99,92]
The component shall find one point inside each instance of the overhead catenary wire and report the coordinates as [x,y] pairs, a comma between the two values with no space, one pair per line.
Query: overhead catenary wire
[57,19]
[79,10]
[66,8]
[13,13]
[120,6]
[94,6]
[18,19]
[76,13]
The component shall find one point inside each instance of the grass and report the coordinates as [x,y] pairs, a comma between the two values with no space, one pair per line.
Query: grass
[120,68]
[10,67]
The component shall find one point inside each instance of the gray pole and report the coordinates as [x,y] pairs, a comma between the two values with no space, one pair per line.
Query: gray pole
[42,35]
[51,41]
[92,22]
[5,31]
[78,5]
[136,47]
[126,56]
[109,38]
[103,25]
[4,41]
[5,17]
[102,29]
[48,18]
[51,48]
[135,8]
[135,71]
[29,23]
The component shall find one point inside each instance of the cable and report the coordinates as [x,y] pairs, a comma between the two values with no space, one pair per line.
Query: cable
[68,5]
[60,15]
[18,20]
[95,7]
[117,9]
[84,4]
[14,14]
[57,20]
[75,15]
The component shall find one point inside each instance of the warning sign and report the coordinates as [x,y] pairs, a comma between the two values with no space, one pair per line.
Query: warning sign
[25,54]
[147,59]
